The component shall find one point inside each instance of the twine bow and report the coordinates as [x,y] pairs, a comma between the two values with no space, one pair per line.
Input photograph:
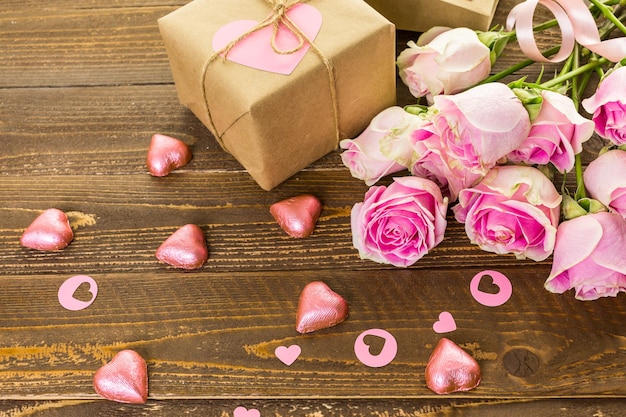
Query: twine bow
[276,19]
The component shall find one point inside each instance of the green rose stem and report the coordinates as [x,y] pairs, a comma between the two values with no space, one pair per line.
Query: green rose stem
[608,13]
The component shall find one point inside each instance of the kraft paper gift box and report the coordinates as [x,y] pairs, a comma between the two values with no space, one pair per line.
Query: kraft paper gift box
[279,119]
[421,15]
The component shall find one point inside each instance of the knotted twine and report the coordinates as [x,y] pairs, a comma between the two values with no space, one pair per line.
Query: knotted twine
[277,18]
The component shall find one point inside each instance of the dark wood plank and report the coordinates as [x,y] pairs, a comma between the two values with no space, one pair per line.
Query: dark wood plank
[212,335]
[324,407]
[83,86]
[120,220]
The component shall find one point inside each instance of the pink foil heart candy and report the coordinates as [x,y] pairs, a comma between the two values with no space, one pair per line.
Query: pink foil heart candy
[297,215]
[124,379]
[451,369]
[49,231]
[319,307]
[166,154]
[185,248]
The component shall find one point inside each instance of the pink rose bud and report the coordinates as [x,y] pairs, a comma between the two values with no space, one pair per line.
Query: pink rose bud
[400,223]
[383,148]
[451,62]
[608,106]
[589,257]
[556,134]
[605,179]
[514,209]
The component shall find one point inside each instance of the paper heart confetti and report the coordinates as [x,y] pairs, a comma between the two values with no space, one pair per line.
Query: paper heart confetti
[255,50]
[288,355]
[49,231]
[244,412]
[185,248]
[445,324]
[319,307]
[166,154]
[124,379]
[297,215]
[451,369]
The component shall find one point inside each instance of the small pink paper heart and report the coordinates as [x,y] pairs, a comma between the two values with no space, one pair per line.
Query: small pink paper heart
[297,215]
[49,231]
[255,50]
[319,307]
[185,248]
[244,412]
[451,369]
[124,379]
[166,154]
[445,323]
[288,355]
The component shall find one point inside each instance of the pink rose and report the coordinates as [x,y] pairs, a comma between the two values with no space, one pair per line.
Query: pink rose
[556,135]
[608,106]
[514,209]
[383,148]
[400,223]
[589,257]
[433,162]
[467,135]
[451,62]
[481,125]
[605,179]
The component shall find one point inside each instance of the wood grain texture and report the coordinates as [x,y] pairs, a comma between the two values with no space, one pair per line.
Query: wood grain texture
[83,86]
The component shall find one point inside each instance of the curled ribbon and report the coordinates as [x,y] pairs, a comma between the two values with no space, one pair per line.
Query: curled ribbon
[276,19]
[576,23]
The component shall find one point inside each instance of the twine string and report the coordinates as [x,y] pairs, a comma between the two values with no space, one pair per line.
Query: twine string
[277,18]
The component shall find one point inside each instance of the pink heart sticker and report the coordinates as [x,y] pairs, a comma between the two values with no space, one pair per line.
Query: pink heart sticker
[445,324]
[488,299]
[244,412]
[255,50]
[288,355]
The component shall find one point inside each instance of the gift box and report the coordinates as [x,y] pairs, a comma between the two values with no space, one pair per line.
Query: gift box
[421,15]
[280,82]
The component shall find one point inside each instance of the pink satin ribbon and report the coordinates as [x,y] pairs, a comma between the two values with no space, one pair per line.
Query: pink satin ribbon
[576,23]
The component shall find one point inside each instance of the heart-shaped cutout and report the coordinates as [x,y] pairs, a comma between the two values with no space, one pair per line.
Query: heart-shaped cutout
[49,231]
[499,280]
[185,248]
[255,50]
[124,379]
[288,355]
[451,369]
[297,215]
[166,154]
[244,412]
[445,324]
[319,307]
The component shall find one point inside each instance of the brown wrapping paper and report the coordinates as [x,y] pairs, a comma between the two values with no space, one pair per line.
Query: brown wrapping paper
[275,125]
[421,15]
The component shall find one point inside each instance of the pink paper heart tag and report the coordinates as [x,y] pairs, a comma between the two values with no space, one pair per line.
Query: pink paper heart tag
[255,49]
[445,324]
[288,355]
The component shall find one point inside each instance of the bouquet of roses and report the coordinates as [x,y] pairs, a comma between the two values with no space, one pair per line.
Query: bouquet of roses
[487,150]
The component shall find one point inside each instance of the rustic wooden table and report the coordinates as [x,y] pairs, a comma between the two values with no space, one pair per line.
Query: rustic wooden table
[83,86]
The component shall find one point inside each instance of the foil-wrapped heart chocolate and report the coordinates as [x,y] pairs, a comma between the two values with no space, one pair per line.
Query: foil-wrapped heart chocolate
[124,379]
[319,307]
[49,231]
[185,248]
[166,154]
[451,369]
[297,215]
